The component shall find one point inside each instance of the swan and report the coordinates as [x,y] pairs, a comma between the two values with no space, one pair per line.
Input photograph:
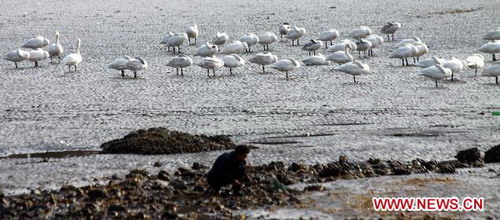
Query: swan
[295,33]
[361,32]
[56,49]
[119,64]
[429,62]
[211,63]
[436,72]
[390,28]
[421,50]
[476,61]
[492,35]
[328,36]
[136,64]
[363,45]
[165,39]
[286,65]
[73,59]
[315,60]
[180,62]
[17,56]
[312,46]
[264,59]
[177,40]
[267,38]
[220,39]
[251,39]
[376,41]
[354,69]
[493,71]
[403,52]
[36,42]
[207,50]
[341,57]
[491,47]
[407,41]
[236,47]
[192,32]
[341,46]
[233,61]
[38,55]
[284,28]
[455,65]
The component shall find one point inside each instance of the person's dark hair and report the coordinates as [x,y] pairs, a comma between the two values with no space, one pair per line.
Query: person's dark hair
[242,149]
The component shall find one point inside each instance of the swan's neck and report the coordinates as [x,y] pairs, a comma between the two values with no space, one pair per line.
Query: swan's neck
[78,47]
[346,49]
[57,38]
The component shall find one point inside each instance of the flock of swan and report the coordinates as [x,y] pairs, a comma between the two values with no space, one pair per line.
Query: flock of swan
[364,42]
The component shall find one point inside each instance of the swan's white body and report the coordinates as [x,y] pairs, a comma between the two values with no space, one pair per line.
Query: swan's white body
[436,72]
[251,39]
[354,69]
[207,50]
[283,29]
[211,63]
[267,38]
[407,41]
[17,56]
[315,60]
[56,49]
[341,46]
[429,62]
[492,34]
[360,33]
[177,40]
[295,33]
[390,28]
[36,42]
[363,45]
[192,32]
[236,47]
[455,65]
[73,59]
[312,46]
[136,64]
[119,64]
[403,52]
[180,62]
[286,65]
[376,40]
[233,61]
[493,71]
[491,47]
[421,49]
[476,62]
[264,59]
[341,57]
[165,39]
[38,55]
[220,39]
[328,36]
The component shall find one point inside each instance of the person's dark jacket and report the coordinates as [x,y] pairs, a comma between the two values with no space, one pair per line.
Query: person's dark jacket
[226,169]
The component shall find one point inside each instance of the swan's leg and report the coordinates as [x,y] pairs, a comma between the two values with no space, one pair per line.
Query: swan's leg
[177,71]
[214,72]
[314,52]
[135,75]
[281,37]
[436,83]
[286,75]
[69,68]
[189,40]
[354,79]
[298,42]
[15,63]
[230,71]
[182,70]
[123,73]
[403,61]
[179,49]
[359,53]
[388,37]
[452,76]
[494,58]
[496,79]
[208,72]
[36,63]
[407,61]
[263,70]
[475,72]
[50,59]
[326,45]
[195,40]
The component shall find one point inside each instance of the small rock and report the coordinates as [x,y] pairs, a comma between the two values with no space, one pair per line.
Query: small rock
[97,194]
[163,175]
[116,208]
[446,168]
[492,155]
[315,188]
[197,166]
[469,156]
[157,164]
[343,159]
[178,184]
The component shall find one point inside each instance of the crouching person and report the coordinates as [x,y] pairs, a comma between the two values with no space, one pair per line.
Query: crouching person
[229,169]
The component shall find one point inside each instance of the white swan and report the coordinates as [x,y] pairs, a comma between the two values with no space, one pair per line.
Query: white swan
[180,62]
[17,56]
[407,41]
[236,47]
[421,50]
[295,33]
[286,65]
[455,65]
[38,55]
[363,45]
[177,40]
[403,52]
[476,62]
[211,63]
[312,46]
[73,59]
[56,49]
[376,41]
[341,57]
[283,29]
[341,46]
[264,59]
[491,47]
[493,71]
[315,60]
[207,50]
[233,61]
[36,42]
[492,34]
[328,36]
[360,33]
[220,39]
[429,62]
[165,39]
[436,72]
[192,32]
[267,38]
[136,64]
[390,28]
[354,69]
[251,39]
[119,64]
